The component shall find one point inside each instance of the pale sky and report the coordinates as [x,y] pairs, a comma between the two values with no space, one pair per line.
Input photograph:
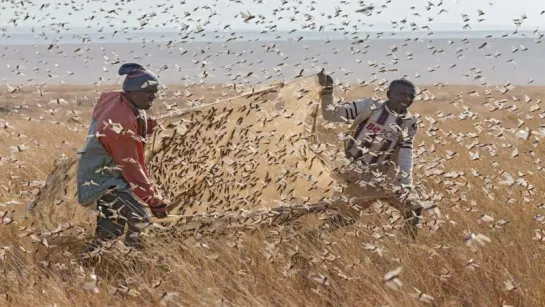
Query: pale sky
[496,13]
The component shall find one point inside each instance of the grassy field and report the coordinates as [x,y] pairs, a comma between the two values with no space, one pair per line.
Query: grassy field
[290,265]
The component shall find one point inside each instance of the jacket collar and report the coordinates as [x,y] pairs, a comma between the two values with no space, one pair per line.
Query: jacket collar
[140,114]
[404,114]
[130,102]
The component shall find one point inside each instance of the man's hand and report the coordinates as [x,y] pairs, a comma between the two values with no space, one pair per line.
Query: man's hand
[152,125]
[160,211]
[325,80]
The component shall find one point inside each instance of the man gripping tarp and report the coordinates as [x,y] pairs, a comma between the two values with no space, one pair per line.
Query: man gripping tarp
[111,169]
[379,146]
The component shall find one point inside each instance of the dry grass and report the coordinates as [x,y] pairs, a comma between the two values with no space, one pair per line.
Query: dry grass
[291,265]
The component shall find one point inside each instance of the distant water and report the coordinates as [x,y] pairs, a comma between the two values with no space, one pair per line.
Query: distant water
[421,57]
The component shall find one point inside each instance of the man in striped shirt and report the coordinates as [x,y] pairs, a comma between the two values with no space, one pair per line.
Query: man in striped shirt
[380,147]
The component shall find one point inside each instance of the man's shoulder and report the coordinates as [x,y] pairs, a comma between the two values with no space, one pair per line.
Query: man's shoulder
[411,122]
[368,103]
[110,107]
[367,100]
[113,94]
[411,118]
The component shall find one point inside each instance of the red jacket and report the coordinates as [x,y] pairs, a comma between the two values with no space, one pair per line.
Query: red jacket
[122,134]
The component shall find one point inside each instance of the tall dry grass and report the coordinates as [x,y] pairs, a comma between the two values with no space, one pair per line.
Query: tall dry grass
[292,265]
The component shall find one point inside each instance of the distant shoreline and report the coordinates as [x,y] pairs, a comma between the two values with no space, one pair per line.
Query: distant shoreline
[66,38]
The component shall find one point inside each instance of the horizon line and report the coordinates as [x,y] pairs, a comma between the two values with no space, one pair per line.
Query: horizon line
[379,28]
[214,31]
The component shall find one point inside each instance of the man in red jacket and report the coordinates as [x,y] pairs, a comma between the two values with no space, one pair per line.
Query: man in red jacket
[111,169]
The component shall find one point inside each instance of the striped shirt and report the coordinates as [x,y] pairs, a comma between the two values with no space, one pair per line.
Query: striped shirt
[377,136]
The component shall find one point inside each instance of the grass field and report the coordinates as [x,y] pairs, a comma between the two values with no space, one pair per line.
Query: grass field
[288,265]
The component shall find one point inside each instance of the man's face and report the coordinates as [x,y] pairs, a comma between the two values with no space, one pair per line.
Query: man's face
[143,99]
[401,97]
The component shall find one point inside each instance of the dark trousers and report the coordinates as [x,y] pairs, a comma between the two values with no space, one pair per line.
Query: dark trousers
[117,210]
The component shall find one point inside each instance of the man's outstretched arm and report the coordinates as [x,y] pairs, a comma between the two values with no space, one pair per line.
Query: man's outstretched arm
[343,112]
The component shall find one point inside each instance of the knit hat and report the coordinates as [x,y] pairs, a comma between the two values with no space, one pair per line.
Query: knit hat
[138,78]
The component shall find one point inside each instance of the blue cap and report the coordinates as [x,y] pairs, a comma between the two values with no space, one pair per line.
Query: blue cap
[138,78]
